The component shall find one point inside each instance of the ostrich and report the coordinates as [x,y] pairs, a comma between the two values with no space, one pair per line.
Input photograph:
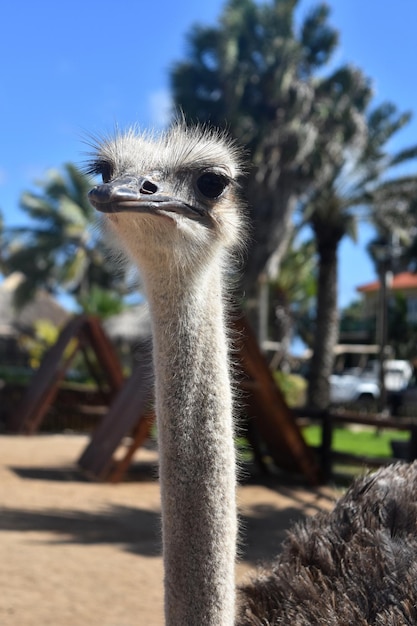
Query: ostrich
[173,202]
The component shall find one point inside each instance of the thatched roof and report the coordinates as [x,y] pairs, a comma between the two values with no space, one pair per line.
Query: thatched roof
[43,306]
[132,325]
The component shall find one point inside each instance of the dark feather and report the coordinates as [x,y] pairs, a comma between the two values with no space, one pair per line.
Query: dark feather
[356,565]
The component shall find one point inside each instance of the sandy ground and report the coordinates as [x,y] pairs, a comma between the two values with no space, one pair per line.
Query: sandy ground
[75,553]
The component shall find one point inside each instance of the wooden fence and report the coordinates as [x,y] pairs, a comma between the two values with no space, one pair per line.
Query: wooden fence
[329,420]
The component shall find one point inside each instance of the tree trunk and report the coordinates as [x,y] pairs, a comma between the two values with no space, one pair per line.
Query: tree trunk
[270,234]
[272,202]
[326,328]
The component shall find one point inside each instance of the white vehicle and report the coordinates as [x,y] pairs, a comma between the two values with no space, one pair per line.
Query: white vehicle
[362,384]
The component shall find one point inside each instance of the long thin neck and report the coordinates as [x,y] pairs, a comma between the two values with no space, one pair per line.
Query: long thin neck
[197,456]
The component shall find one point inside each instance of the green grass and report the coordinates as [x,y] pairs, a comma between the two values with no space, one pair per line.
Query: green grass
[365,442]
[293,387]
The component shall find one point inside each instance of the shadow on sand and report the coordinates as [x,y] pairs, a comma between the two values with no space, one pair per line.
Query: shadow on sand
[138,530]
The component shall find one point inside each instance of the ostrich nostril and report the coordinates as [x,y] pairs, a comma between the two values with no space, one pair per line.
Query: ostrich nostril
[148,187]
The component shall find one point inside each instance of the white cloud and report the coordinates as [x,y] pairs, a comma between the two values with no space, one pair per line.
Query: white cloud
[160,107]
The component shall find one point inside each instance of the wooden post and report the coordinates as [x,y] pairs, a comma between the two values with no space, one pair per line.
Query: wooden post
[326,445]
[412,449]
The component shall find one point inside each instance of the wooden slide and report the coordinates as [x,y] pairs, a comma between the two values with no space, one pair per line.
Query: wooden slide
[269,422]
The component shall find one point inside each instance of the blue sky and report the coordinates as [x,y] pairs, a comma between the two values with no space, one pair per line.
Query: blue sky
[71,67]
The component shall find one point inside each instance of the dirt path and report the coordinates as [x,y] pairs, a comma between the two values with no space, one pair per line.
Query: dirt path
[75,553]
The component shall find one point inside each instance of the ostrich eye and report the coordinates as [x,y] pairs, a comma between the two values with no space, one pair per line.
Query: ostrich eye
[100,167]
[211,184]
[105,169]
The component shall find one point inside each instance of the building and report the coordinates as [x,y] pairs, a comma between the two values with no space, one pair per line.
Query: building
[403,284]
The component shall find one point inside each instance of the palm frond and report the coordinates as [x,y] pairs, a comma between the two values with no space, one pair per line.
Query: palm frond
[404,155]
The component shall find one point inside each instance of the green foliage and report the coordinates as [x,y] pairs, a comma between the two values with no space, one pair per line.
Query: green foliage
[44,335]
[292,293]
[11,374]
[317,38]
[244,450]
[297,273]
[354,310]
[61,250]
[352,320]
[402,334]
[101,302]
[292,386]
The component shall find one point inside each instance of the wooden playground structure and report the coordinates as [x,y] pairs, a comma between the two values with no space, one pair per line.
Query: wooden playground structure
[269,425]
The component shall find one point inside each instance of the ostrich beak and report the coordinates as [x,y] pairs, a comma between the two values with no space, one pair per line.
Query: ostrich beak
[142,195]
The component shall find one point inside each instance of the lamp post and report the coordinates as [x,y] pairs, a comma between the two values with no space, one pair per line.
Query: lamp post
[384,254]
[383,330]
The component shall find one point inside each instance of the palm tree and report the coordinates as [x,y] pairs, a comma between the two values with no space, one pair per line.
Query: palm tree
[254,74]
[361,187]
[292,294]
[330,222]
[59,250]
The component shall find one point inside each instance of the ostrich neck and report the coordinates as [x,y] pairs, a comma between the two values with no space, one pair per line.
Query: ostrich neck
[197,457]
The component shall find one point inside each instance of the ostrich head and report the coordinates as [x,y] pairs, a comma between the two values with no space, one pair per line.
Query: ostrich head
[172,198]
